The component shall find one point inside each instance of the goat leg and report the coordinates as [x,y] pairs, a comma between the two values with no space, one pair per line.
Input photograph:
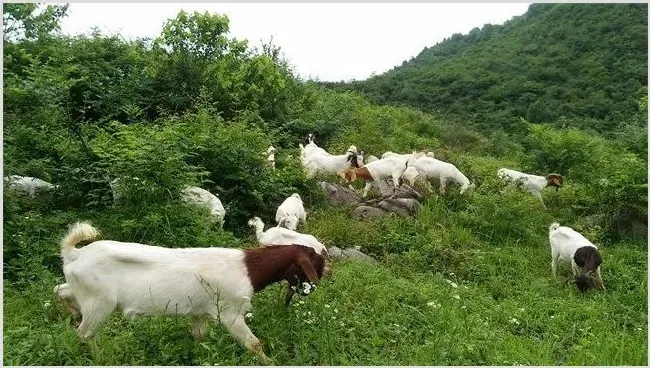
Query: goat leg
[289,295]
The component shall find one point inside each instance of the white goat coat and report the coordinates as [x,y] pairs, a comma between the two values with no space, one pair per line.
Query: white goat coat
[292,206]
[146,280]
[28,184]
[429,167]
[385,168]
[325,163]
[282,236]
[533,183]
[200,196]
[564,243]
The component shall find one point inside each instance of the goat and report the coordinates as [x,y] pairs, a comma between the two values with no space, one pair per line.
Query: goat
[376,171]
[270,156]
[569,245]
[201,197]
[325,163]
[291,208]
[426,167]
[279,235]
[534,184]
[28,184]
[410,157]
[205,283]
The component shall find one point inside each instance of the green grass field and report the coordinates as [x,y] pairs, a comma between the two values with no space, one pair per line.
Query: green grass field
[445,293]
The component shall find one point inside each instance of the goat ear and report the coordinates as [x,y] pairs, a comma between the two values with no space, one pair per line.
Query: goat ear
[308,268]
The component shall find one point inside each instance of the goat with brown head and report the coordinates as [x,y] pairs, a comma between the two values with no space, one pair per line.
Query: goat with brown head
[554,180]
[294,263]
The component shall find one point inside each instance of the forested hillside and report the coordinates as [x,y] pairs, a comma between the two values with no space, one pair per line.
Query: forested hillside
[467,281]
[571,65]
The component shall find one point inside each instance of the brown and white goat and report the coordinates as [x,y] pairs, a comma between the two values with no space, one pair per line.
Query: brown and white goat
[205,283]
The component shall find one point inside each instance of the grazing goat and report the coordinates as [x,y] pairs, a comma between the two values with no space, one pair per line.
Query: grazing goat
[200,196]
[376,171]
[205,283]
[324,163]
[410,157]
[279,235]
[270,156]
[569,245]
[28,184]
[292,208]
[425,168]
[533,183]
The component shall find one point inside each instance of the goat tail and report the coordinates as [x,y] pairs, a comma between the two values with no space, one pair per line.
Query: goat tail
[78,232]
[553,226]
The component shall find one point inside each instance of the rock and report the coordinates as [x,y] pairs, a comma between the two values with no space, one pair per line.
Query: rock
[340,195]
[402,206]
[357,255]
[349,253]
[335,252]
[363,212]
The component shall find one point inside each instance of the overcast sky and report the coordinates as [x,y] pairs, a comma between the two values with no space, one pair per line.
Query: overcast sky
[330,42]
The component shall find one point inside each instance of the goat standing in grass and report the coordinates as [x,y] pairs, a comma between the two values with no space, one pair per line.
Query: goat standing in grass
[290,212]
[425,168]
[569,245]
[205,283]
[376,171]
[534,184]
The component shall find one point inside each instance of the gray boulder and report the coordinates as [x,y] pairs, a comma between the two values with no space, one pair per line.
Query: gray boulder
[350,253]
[363,212]
[340,195]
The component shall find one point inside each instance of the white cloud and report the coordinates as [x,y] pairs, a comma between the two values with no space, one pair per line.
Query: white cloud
[330,42]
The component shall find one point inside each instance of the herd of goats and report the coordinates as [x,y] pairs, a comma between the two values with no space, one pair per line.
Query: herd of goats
[218,283]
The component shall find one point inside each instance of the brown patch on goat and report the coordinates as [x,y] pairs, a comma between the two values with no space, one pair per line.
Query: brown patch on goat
[358,173]
[294,263]
[589,259]
[554,180]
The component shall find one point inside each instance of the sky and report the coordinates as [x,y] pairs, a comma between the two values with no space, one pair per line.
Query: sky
[324,41]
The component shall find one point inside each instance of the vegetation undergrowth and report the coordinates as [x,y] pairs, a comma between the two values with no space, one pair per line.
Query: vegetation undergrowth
[465,282]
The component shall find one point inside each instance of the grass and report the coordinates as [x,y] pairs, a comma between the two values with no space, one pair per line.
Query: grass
[451,289]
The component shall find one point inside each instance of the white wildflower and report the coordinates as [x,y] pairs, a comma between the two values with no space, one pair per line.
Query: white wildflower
[336,310]
[431,304]
[552,317]
[514,320]
[46,304]
[327,305]
[463,307]
[451,274]
[456,296]
[249,315]
[454,285]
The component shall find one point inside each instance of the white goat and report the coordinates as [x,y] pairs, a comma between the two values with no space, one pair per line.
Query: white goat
[375,172]
[279,235]
[205,283]
[324,163]
[292,208]
[425,168]
[534,184]
[202,197]
[28,184]
[569,245]
[270,156]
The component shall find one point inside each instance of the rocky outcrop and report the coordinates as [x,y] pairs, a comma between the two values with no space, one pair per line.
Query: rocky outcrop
[404,201]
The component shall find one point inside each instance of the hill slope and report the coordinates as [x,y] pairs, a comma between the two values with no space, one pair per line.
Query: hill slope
[581,65]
